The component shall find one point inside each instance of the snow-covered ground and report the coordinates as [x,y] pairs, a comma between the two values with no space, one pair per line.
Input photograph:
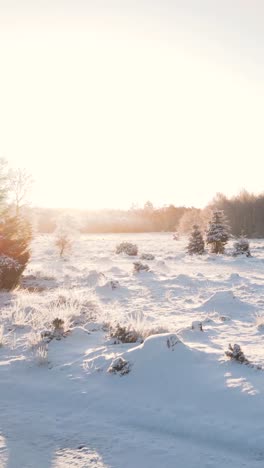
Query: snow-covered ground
[183,403]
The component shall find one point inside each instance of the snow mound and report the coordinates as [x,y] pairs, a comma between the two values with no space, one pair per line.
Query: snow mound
[94,278]
[223,302]
[184,280]
[112,287]
[116,270]
[155,351]
[159,343]
[235,277]
[161,265]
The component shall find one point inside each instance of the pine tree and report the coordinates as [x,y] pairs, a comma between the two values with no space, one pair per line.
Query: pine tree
[217,234]
[196,242]
[15,237]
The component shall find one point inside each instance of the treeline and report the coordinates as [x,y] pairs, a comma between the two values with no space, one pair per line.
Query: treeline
[245,213]
[146,219]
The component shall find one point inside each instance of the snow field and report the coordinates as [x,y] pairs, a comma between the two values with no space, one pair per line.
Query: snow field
[183,403]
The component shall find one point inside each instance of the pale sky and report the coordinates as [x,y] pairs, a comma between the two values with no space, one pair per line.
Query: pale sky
[107,102]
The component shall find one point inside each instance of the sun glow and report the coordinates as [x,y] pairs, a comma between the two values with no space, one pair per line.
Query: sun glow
[104,117]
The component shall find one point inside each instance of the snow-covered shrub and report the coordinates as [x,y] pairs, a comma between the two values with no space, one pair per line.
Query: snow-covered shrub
[147,257]
[119,366]
[10,272]
[125,334]
[127,248]
[114,284]
[235,352]
[241,247]
[60,329]
[172,342]
[196,242]
[217,233]
[58,324]
[197,326]
[138,266]
[224,318]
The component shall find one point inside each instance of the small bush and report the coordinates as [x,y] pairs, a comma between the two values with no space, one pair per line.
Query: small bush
[241,247]
[125,335]
[113,284]
[60,329]
[58,324]
[119,366]
[197,326]
[10,272]
[138,266]
[235,352]
[147,257]
[127,248]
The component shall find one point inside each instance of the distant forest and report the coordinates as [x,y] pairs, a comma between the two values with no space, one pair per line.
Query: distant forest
[245,213]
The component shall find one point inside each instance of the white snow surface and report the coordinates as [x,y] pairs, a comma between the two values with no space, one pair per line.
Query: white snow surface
[183,404]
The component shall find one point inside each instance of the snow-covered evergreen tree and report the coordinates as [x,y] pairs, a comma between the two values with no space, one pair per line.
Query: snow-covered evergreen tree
[217,233]
[196,242]
[15,238]
[241,247]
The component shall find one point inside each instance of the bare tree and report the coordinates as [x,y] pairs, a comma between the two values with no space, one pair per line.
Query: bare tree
[65,234]
[64,242]
[20,185]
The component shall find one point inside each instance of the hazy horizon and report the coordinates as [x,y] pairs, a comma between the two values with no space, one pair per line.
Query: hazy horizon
[121,102]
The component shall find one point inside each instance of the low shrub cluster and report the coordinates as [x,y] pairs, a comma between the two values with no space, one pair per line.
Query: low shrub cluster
[138,266]
[147,257]
[125,334]
[119,366]
[127,248]
[59,331]
[241,247]
[235,352]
